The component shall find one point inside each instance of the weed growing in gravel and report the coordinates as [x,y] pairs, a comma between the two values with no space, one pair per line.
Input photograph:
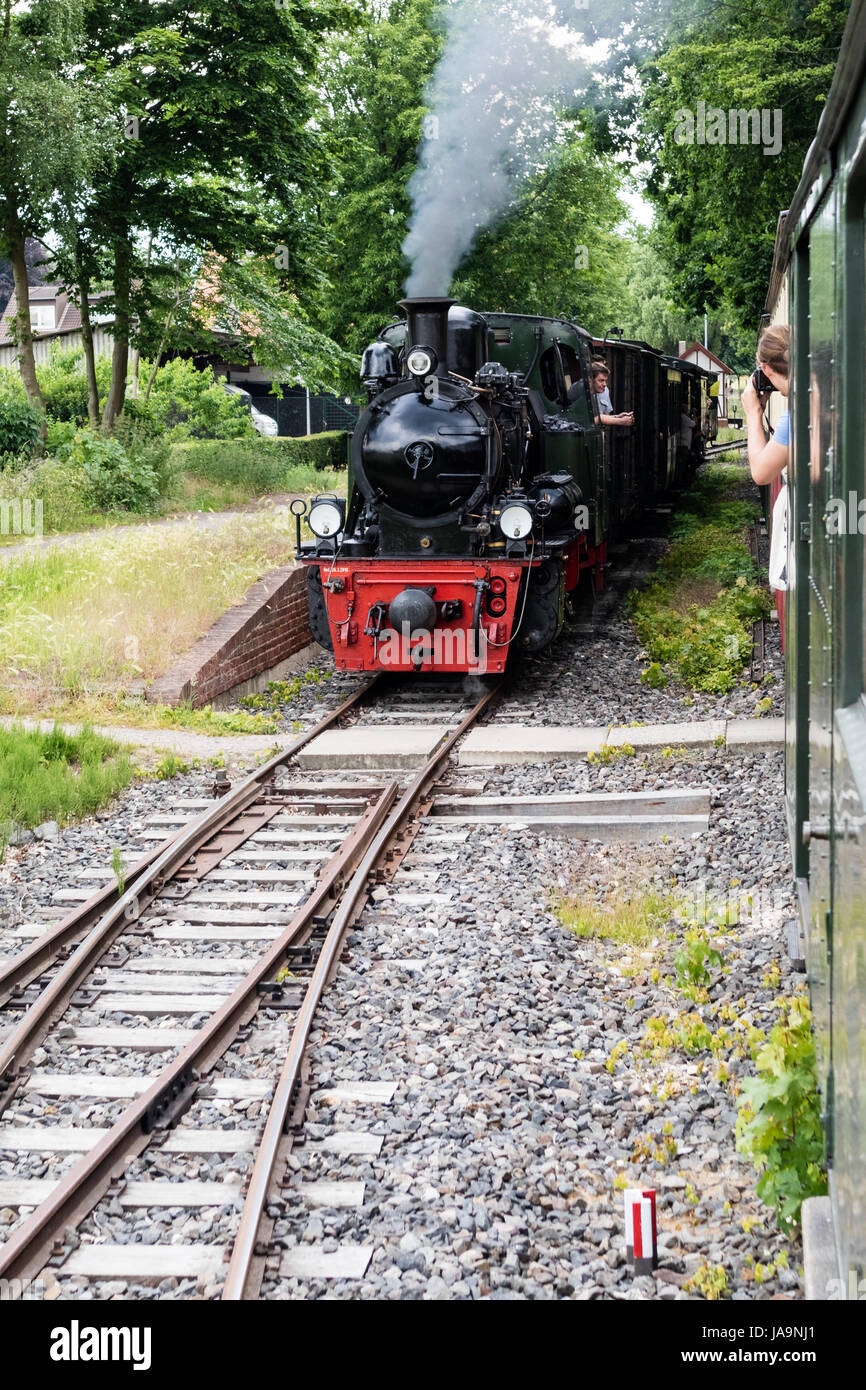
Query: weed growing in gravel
[620,1049]
[654,677]
[611,753]
[118,867]
[169,767]
[779,1123]
[692,964]
[710,1281]
[284,692]
[58,776]
[630,919]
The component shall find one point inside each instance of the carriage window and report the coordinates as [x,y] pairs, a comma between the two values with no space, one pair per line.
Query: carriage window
[552,376]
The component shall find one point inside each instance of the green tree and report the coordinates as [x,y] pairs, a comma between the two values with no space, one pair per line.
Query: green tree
[558,251]
[50,139]
[215,101]
[372,76]
[719,203]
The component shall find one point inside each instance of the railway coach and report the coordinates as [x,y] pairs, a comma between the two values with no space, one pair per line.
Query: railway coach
[819,287]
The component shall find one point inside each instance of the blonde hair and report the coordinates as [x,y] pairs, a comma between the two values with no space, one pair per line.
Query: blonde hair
[773,346]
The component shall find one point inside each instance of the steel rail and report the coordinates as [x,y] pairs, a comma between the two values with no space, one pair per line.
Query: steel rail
[241,1280]
[173,1089]
[129,906]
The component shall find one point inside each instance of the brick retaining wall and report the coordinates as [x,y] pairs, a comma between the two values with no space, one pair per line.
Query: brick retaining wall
[262,632]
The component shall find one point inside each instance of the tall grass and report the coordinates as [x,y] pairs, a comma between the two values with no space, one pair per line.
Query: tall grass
[119,607]
[57,776]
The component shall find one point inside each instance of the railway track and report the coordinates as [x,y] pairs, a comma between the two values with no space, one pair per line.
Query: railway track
[715,449]
[172,1011]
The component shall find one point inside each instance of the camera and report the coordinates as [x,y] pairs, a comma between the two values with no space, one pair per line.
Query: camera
[761,382]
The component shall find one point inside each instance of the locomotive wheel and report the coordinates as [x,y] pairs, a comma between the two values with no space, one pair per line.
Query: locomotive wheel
[319,625]
[543,617]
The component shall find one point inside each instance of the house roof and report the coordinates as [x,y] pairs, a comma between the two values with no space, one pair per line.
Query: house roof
[70,315]
[699,347]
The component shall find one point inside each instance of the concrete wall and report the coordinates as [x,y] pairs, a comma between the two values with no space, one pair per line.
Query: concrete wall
[259,638]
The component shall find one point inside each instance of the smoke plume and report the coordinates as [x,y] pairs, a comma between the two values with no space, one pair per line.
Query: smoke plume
[506,68]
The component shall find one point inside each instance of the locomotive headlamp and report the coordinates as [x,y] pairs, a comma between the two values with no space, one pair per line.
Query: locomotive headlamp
[421,361]
[326,517]
[515,521]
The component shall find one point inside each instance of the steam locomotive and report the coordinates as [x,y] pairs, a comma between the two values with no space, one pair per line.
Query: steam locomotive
[483,495]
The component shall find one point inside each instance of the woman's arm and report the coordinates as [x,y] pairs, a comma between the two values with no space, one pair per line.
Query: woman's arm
[766,457]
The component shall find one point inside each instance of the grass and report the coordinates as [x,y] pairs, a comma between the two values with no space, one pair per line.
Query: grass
[695,617]
[203,475]
[79,626]
[627,918]
[55,776]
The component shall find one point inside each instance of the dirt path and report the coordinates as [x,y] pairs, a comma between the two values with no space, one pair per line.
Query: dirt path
[206,521]
[179,741]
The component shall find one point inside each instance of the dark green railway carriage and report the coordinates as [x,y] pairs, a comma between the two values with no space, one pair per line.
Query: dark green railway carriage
[821,265]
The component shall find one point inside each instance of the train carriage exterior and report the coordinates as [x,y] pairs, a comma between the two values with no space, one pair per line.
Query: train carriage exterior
[819,281]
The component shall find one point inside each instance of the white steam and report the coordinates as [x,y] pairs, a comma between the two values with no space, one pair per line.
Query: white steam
[506,68]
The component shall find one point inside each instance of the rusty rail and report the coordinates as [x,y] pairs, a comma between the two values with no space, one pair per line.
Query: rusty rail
[244,1274]
[106,914]
[78,1191]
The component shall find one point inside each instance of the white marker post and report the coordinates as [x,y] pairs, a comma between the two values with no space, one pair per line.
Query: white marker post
[641,1233]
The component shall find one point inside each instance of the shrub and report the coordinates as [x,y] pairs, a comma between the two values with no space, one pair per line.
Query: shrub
[187,403]
[113,480]
[265,465]
[779,1123]
[64,385]
[20,424]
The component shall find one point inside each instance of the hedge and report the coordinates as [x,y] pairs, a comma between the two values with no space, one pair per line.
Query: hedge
[268,461]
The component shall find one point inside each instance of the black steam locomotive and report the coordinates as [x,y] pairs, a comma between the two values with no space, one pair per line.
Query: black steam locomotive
[482,491]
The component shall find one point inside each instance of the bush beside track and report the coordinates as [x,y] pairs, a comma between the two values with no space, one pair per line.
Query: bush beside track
[695,617]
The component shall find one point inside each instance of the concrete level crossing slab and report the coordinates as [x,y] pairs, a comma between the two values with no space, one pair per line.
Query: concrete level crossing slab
[368,746]
[755,735]
[700,732]
[495,744]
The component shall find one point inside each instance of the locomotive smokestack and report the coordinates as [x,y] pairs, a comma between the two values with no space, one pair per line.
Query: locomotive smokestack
[428,326]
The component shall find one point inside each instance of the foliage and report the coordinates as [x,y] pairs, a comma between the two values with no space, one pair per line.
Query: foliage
[64,387]
[266,465]
[533,261]
[719,203]
[779,1123]
[683,618]
[19,423]
[629,918]
[186,402]
[57,776]
[710,1281]
[611,753]
[372,75]
[285,692]
[654,677]
[694,960]
[114,479]
[651,308]
[118,868]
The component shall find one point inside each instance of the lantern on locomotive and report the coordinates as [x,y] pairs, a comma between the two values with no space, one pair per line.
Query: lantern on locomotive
[427,566]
